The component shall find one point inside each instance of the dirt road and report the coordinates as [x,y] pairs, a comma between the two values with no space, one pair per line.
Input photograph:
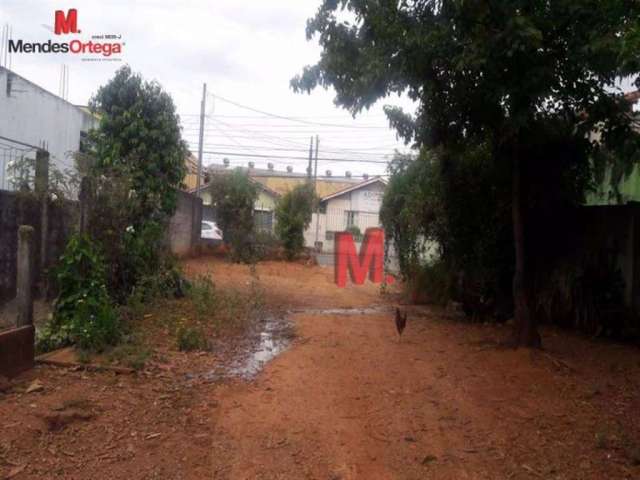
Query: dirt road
[347,401]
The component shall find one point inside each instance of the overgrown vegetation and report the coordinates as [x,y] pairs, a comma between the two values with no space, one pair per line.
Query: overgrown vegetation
[526,83]
[233,196]
[293,215]
[132,169]
[84,314]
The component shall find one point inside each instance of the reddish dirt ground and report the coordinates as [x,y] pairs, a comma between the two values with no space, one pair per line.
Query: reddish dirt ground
[345,401]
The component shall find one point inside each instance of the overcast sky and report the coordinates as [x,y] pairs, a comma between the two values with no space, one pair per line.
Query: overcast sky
[246,51]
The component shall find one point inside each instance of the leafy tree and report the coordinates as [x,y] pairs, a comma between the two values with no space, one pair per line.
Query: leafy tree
[137,166]
[139,133]
[293,215]
[507,74]
[233,196]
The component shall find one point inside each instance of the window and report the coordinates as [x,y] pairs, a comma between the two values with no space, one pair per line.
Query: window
[263,220]
[352,218]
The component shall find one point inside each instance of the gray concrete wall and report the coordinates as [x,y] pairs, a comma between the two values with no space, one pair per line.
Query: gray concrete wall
[24,209]
[185,225]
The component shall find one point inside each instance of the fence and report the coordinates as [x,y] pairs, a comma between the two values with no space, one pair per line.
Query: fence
[17,164]
[324,226]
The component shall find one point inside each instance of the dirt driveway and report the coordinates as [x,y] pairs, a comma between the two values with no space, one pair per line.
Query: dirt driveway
[348,401]
[344,401]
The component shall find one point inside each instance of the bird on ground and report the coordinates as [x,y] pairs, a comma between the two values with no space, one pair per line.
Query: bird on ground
[401,322]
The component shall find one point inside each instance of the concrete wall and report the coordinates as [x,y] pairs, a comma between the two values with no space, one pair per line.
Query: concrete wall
[31,114]
[23,209]
[185,225]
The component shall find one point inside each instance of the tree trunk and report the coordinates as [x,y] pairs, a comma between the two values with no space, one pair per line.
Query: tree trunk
[525,328]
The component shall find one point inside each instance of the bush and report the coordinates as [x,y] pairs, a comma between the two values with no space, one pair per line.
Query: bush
[431,283]
[203,295]
[293,215]
[233,195]
[83,314]
[191,338]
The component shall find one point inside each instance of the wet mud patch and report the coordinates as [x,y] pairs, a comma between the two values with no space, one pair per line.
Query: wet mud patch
[372,310]
[247,356]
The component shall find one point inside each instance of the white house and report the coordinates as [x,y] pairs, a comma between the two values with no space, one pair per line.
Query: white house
[34,116]
[355,208]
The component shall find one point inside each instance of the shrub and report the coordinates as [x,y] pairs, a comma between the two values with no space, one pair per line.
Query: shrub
[233,195]
[293,215]
[203,295]
[84,314]
[191,338]
[431,283]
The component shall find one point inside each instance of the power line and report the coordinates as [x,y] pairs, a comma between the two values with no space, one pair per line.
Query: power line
[256,155]
[294,119]
[284,149]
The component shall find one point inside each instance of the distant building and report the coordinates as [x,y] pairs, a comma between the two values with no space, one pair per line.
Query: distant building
[284,181]
[34,116]
[272,185]
[354,208]
[264,206]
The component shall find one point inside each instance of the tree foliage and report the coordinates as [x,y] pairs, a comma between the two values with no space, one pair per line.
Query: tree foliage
[233,196]
[84,314]
[137,165]
[506,74]
[293,215]
[139,134]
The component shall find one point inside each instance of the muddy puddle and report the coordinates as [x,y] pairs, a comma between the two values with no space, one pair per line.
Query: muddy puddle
[372,310]
[271,336]
[245,359]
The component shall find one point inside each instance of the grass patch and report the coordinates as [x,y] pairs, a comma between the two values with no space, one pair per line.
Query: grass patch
[130,355]
[189,339]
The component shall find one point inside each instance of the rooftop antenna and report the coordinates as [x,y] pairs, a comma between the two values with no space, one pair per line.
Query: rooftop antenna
[4,45]
[63,86]
[7,47]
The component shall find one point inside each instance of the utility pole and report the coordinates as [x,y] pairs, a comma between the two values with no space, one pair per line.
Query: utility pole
[201,139]
[315,189]
[310,168]
[315,173]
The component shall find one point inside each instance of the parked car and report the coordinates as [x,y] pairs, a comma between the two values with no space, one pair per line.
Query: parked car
[210,231]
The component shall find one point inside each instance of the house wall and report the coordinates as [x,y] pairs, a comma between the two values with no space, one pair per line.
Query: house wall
[265,202]
[365,201]
[33,115]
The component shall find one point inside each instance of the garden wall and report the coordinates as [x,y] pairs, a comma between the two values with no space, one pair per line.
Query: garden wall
[19,208]
[185,225]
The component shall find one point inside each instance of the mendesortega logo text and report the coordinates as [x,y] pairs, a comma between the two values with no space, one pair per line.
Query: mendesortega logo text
[74,46]
[68,24]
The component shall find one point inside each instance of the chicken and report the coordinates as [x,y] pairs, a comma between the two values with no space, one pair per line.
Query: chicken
[401,322]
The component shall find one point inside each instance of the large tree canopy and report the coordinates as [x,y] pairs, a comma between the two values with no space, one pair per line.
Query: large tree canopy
[139,134]
[508,74]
